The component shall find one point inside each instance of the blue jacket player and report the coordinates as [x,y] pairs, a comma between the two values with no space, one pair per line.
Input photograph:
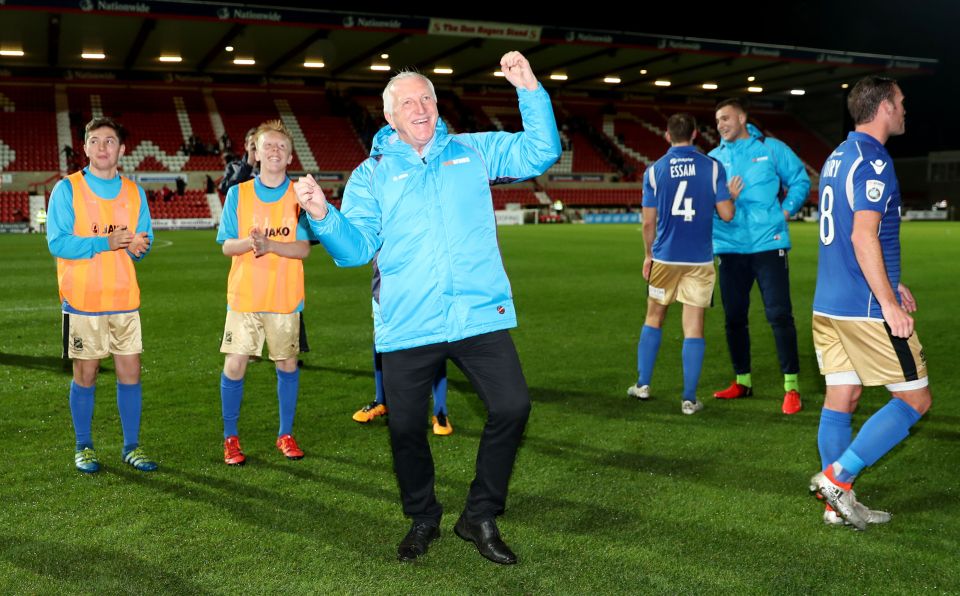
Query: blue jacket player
[681,191]
[753,246]
[862,330]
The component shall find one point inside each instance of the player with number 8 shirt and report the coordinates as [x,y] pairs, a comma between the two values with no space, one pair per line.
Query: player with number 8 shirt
[862,332]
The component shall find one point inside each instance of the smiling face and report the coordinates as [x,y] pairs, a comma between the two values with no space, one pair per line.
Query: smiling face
[415,113]
[731,123]
[104,150]
[274,152]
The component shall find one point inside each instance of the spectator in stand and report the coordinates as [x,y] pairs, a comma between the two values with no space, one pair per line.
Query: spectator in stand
[226,145]
[244,168]
[181,186]
[211,187]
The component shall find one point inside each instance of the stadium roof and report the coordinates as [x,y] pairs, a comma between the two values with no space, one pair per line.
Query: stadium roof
[133,35]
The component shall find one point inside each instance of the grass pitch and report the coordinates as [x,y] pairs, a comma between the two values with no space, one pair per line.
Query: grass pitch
[609,495]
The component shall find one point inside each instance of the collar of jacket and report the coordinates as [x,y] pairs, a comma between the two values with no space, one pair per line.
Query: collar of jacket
[387,142]
[753,131]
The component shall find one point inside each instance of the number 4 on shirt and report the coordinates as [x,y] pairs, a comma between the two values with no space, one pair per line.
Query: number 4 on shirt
[679,200]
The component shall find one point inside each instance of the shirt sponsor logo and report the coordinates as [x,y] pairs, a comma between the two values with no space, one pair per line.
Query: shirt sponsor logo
[874,190]
[107,229]
[878,166]
[400,177]
[761,158]
[456,162]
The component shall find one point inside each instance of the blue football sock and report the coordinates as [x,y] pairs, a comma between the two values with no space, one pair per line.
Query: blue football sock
[378,375]
[692,356]
[129,404]
[81,410]
[440,391]
[879,434]
[288,386]
[647,349]
[231,395]
[833,436]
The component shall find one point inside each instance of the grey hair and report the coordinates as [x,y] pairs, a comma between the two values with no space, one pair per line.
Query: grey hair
[400,76]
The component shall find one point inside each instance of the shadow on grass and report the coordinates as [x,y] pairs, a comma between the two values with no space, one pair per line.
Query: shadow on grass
[99,569]
[545,394]
[318,519]
[48,363]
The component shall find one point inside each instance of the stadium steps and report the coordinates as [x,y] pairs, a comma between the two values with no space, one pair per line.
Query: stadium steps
[543,197]
[147,148]
[300,145]
[186,129]
[96,107]
[216,122]
[7,155]
[564,165]
[609,130]
[64,138]
[216,209]
[493,118]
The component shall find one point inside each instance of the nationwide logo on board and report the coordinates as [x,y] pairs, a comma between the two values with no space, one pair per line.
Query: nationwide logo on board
[248,15]
[88,5]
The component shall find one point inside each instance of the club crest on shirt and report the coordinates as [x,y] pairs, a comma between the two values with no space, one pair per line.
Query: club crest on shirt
[874,190]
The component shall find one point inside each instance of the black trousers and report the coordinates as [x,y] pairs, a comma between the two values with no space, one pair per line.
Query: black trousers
[491,364]
[771,271]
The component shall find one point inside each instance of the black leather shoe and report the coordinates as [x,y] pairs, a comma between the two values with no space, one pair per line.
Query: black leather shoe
[487,538]
[417,540]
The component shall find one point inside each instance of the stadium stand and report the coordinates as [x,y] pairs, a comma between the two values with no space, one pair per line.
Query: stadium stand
[14,206]
[597,197]
[600,138]
[192,204]
[28,137]
[523,196]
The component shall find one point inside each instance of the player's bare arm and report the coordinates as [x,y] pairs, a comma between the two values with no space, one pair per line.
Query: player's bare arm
[119,239]
[139,244]
[735,186]
[866,245]
[235,247]
[649,234]
[726,209]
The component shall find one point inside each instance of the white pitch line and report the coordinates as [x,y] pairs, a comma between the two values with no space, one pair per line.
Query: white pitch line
[165,244]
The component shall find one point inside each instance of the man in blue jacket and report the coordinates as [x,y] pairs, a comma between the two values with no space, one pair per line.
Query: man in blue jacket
[423,201]
[753,246]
